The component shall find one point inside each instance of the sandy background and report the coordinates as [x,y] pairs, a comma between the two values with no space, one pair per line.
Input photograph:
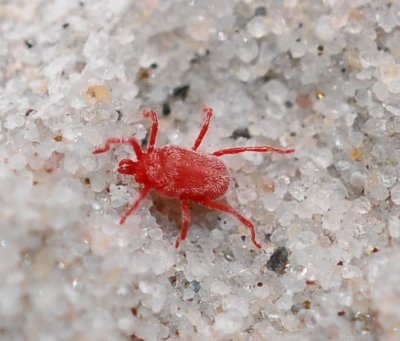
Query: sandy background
[322,77]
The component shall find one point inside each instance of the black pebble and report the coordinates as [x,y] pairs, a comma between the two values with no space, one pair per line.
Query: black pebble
[28,44]
[166,109]
[279,260]
[181,91]
[241,132]
[262,11]
[28,112]
[119,115]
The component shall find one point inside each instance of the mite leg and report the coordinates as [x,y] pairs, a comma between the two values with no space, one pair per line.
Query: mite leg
[227,209]
[154,129]
[131,140]
[204,127]
[142,195]
[185,222]
[262,149]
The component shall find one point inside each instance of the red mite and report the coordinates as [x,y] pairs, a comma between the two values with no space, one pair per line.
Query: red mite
[185,174]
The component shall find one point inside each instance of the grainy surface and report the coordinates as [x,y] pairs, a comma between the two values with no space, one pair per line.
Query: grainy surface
[322,77]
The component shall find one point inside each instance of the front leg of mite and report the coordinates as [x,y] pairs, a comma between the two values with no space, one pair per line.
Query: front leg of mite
[142,195]
[185,222]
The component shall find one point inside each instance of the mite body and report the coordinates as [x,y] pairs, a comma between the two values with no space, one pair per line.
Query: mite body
[178,172]
[185,174]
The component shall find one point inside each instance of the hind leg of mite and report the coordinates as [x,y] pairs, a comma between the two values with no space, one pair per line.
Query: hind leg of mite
[228,209]
[185,222]
[204,128]
[259,149]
